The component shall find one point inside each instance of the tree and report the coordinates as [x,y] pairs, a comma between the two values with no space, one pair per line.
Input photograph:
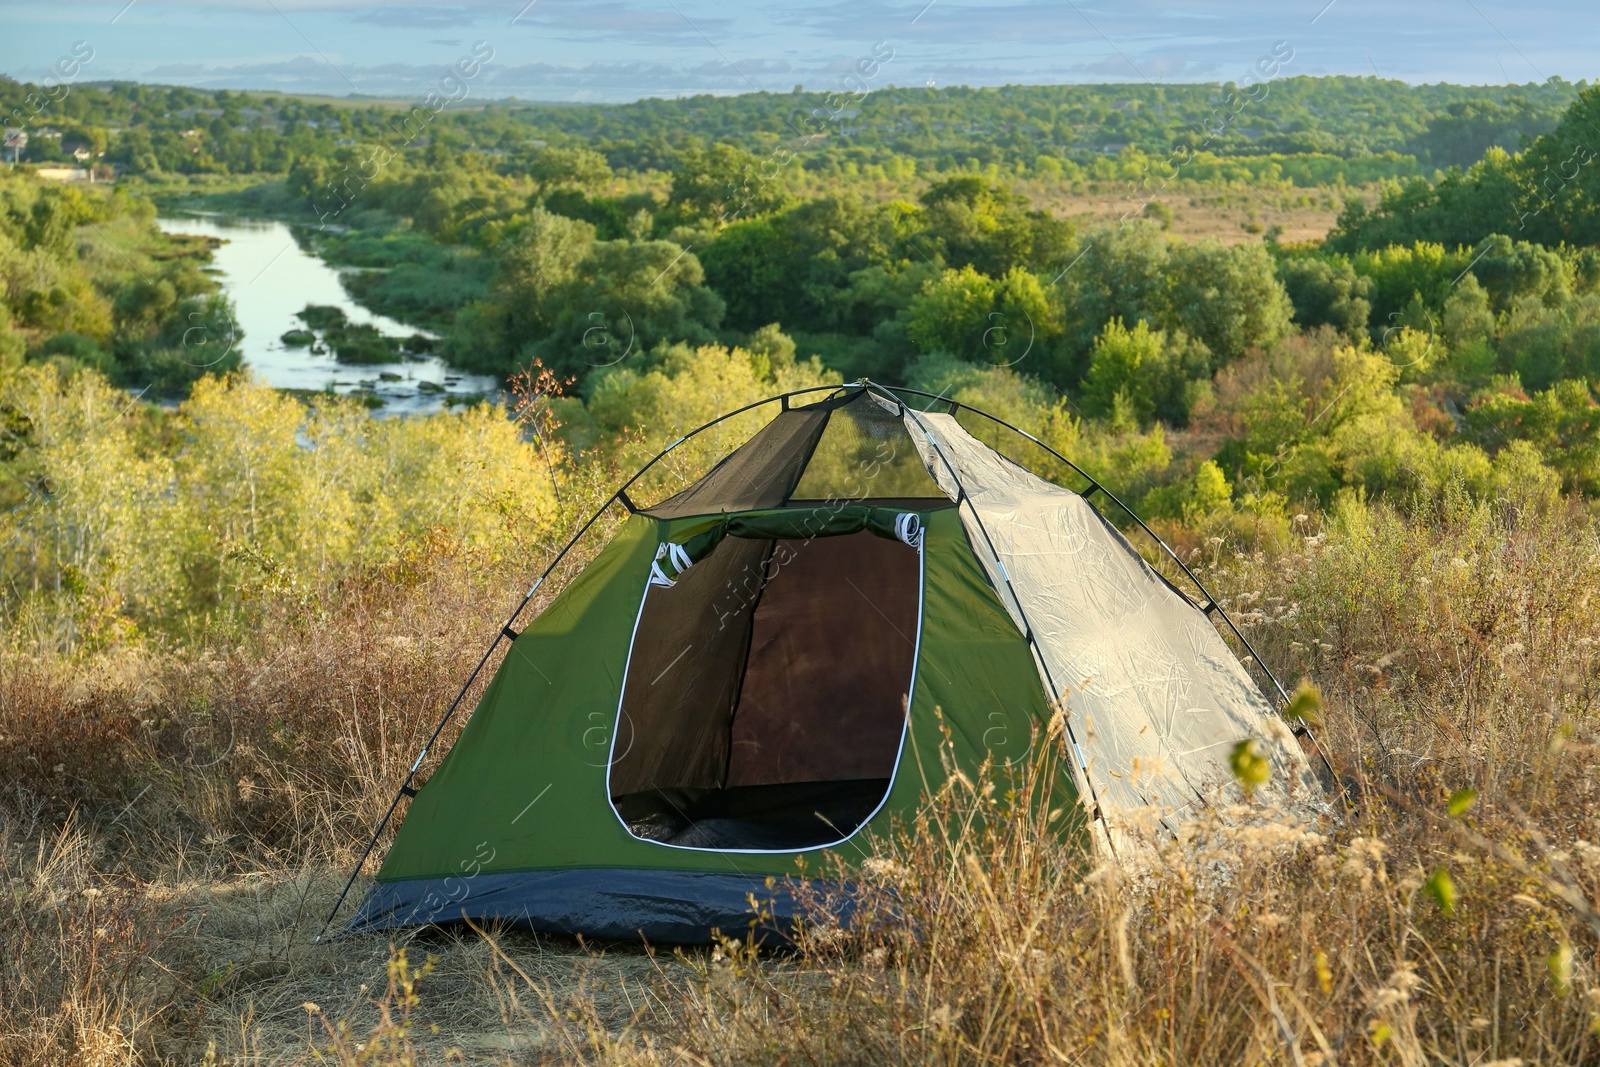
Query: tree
[722,184]
[1560,178]
[1469,128]
[624,299]
[1467,318]
[1460,210]
[1229,298]
[747,266]
[1119,273]
[971,221]
[1024,327]
[542,252]
[1562,422]
[1326,292]
[796,266]
[1125,366]
[951,313]
[553,168]
[1510,270]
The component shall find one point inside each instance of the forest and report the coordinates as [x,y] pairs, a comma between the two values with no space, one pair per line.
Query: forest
[1446,331]
[866,121]
[1337,339]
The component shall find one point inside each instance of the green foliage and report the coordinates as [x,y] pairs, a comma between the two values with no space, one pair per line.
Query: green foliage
[1560,178]
[1461,802]
[1547,193]
[967,314]
[1442,889]
[1225,301]
[1305,706]
[1439,350]
[1250,766]
[1466,130]
[1118,273]
[1227,298]
[747,265]
[972,222]
[1158,213]
[838,264]
[645,292]
[1559,964]
[172,522]
[1327,292]
[414,278]
[88,282]
[774,346]
[1462,209]
[720,185]
[1562,423]
[556,167]
[352,342]
[1201,501]
[951,314]
[1126,366]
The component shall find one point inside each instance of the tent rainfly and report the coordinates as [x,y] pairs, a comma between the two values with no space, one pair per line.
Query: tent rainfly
[793,651]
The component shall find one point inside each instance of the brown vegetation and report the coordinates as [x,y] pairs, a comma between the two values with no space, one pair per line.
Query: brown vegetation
[176,823]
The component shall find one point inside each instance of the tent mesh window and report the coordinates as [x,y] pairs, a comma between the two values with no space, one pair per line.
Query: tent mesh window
[865,453]
[849,448]
[766,693]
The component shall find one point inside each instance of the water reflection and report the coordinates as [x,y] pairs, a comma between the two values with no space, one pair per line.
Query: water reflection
[270,278]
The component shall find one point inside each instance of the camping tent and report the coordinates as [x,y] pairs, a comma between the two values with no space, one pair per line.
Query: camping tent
[788,654]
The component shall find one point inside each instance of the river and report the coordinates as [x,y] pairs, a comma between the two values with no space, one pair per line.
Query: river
[270,278]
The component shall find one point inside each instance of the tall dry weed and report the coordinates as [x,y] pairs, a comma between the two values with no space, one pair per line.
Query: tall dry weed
[176,820]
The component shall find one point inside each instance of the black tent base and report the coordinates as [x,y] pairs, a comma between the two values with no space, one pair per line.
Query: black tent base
[665,907]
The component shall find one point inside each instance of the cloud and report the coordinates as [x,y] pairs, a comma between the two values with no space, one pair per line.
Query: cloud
[427,18]
[611,19]
[622,49]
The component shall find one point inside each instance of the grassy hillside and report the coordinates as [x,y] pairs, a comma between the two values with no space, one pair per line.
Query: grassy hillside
[213,701]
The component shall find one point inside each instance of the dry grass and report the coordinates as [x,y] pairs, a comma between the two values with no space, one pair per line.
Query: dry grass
[1233,213]
[174,824]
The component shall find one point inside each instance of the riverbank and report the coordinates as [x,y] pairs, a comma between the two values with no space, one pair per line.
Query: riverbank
[273,273]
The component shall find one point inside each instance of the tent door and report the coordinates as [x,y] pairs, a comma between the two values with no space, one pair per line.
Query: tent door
[764,705]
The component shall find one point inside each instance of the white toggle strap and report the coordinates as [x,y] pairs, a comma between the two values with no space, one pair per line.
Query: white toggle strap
[908,527]
[677,557]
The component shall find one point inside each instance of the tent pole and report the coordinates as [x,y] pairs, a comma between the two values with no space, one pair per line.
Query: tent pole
[506,631]
[1038,653]
[1095,486]
[405,785]
[783,398]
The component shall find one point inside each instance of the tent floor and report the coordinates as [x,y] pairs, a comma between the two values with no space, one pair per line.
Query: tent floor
[793,815]
[678,907]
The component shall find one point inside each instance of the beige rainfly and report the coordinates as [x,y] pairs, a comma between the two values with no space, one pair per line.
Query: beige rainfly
[1155,699]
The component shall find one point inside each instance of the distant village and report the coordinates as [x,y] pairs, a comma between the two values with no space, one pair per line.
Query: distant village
[64,157]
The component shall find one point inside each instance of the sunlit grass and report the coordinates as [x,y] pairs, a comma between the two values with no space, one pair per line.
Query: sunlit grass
[176,823]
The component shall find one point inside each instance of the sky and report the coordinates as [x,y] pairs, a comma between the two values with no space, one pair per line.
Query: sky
[618,50]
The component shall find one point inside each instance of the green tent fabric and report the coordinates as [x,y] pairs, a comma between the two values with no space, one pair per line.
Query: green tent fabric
[778,663]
